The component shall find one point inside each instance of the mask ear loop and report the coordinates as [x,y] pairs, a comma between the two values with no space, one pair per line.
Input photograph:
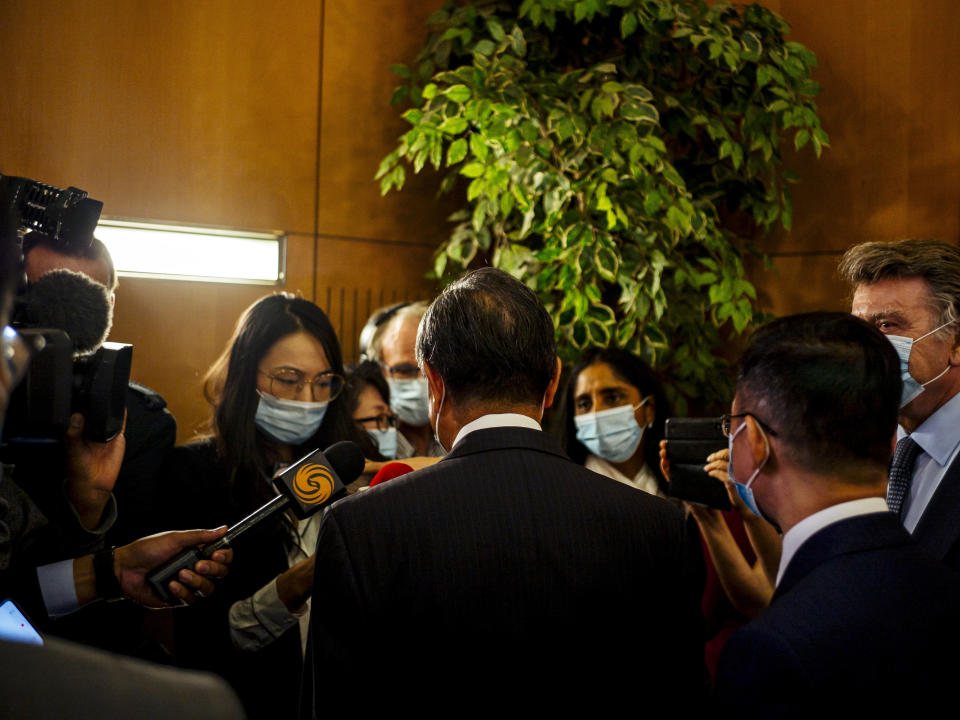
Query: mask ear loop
[436,424]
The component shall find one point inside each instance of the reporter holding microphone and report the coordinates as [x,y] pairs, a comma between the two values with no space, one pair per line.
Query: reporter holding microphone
[276,395]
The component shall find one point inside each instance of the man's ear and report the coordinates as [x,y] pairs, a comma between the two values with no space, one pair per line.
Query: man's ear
[758,441]
[434,381]
[955,350]
[551,392]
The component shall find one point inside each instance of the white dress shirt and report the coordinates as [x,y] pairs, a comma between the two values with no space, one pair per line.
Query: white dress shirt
[644,479]
[939,440]
[812,524]
[497,420]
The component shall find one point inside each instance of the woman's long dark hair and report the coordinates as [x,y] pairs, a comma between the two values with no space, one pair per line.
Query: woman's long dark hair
[632,370]
[230,386]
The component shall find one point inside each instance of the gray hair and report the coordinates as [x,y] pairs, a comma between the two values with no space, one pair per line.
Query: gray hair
[936,262]
[414,309]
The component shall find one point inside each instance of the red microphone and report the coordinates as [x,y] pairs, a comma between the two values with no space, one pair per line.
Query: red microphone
[390,471]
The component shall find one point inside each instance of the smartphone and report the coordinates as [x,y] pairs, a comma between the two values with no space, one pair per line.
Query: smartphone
[689,442]
[14,625]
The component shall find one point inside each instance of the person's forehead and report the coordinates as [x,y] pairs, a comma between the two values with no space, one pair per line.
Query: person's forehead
[42,260]
[598,377]
[400,337]
[907,296]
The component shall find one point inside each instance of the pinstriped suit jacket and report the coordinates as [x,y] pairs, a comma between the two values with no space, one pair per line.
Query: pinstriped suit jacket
[504,571]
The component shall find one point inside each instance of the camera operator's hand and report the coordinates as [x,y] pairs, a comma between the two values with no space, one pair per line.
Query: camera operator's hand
[92,470]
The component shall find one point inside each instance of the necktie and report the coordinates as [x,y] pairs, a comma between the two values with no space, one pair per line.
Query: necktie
[901,473]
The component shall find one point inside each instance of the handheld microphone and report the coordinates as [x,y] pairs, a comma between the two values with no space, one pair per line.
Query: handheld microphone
[311,483]
[390,471]
[72,302]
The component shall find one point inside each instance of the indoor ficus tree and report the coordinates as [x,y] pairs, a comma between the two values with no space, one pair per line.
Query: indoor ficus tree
[618,156]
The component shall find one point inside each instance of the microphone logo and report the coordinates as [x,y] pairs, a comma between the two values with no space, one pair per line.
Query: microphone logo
[313,484]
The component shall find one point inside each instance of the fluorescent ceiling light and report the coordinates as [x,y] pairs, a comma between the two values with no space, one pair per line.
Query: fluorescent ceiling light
[145,249]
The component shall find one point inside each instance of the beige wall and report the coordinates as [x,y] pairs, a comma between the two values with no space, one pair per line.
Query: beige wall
[259,116]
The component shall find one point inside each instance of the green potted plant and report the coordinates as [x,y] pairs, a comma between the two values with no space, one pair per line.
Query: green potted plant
[619,156]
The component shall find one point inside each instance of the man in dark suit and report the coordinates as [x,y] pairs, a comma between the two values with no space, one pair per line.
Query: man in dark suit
[862,621]
[505,573]
[910,289]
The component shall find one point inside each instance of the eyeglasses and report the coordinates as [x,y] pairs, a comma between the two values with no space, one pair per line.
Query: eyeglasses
[725,423]
[403,371]
[288,384]
[384,421]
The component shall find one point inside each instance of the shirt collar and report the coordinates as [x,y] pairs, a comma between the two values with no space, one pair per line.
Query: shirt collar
[496,420]
[937,436]
[810,525]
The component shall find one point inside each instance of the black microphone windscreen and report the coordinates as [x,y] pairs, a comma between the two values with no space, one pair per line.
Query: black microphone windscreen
[72,302]
[346,458]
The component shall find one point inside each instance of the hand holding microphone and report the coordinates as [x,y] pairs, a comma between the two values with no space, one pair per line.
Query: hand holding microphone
[305,487]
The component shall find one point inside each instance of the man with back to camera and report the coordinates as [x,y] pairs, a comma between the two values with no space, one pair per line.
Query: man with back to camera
[504,575]
[862,620]
[910,290]
[394,346]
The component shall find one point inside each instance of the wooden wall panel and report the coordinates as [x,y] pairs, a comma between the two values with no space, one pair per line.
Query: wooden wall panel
[240,113]
[890,105]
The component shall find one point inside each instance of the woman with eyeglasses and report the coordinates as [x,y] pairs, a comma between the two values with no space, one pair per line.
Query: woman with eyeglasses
[368,397]
[276,394]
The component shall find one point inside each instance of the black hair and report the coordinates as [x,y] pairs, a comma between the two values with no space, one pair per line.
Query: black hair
[490,339]
[831,387]
[632,370]
[366,373]
[230,387]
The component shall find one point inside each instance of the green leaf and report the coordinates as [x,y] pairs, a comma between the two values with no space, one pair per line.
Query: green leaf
[642,112]
[801,138]
[472,170]
[401,70]
[478,147]
[453,126]
[628,24]
[429,92]
[458,93]
[457,151]
[778,106]
[652,202]
[518,42]
[484,47]
[611,86]
[496,30]
[606,262]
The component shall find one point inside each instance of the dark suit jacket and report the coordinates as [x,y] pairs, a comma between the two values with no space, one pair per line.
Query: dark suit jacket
[63,680]
[862,620]
[504,572]
[938,531]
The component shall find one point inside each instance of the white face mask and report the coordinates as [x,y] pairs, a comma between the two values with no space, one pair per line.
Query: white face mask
[386,441]
[408,398]
[904,346]
[290,422]
[612,434]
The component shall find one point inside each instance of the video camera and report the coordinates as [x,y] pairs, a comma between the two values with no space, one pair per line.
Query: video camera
[59,380]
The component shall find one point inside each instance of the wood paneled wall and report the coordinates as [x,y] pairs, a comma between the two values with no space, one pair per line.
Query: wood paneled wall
[259,116]
[225,112]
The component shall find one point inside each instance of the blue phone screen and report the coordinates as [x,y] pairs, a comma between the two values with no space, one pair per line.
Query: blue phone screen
[15,626]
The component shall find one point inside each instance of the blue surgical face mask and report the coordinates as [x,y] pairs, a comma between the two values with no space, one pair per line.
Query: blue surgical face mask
[408,399]
[612,434]
[743,489]
[386,441]
[911,386]
[290,422]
